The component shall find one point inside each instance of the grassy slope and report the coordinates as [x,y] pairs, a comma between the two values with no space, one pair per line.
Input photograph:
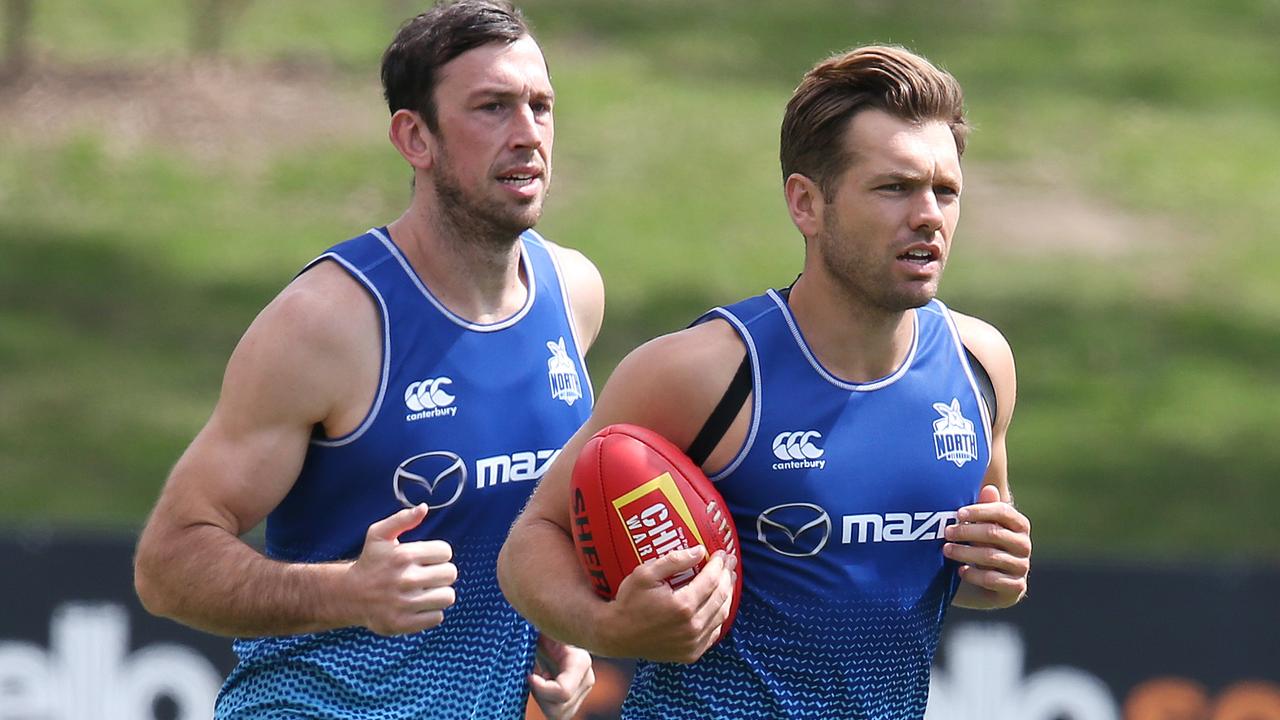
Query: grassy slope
[127,278]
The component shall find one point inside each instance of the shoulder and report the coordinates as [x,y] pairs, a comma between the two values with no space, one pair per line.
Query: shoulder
[991,349]
[694,351]
[585,286]
[986,342]
[321,308]
[671,383]
[319,329]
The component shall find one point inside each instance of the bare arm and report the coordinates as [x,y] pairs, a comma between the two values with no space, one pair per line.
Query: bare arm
[993,539]
[586,293]
[288,373]
[538,568]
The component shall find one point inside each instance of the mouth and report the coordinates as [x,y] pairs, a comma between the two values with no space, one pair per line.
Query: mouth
[518,178]
[921,255]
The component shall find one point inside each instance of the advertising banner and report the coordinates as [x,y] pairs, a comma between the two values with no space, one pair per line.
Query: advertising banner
[1092,642]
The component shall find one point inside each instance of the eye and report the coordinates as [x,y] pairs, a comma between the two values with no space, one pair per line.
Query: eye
[491,107]
[946,191]
[892,187]
[540,107]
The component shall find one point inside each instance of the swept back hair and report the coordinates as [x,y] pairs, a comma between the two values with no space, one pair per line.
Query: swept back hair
[882,77]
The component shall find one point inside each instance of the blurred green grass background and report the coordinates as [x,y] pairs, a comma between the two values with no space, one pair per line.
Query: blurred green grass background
[1118,225]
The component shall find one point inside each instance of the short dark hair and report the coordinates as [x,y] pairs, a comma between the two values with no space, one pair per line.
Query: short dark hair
[883,77]
[411,64]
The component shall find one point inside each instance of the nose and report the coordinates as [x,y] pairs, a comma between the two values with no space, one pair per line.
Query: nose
[926,213]
[526,130]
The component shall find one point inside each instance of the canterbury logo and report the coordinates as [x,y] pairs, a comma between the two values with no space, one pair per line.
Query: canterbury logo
[428,398]
[796,450]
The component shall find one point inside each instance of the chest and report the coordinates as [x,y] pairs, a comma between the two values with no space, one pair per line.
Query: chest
[912,447]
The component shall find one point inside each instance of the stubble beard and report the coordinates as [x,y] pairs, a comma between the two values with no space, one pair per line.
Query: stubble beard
[856,274]
[483,223]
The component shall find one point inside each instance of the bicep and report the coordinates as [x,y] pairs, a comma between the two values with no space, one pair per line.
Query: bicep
[248,455]
[233,477]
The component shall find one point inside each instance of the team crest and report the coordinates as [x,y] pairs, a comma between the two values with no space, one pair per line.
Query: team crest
[563,374]
[953,436]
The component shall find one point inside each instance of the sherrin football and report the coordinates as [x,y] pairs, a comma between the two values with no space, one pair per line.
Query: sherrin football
[634,497]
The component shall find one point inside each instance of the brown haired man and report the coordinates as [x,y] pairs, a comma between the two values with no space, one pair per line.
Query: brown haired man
[366,415]
[860,446]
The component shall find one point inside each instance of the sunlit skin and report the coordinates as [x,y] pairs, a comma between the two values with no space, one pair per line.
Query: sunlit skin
[877,246]
[885,234]
[488,163]
[314,357]
[480,177]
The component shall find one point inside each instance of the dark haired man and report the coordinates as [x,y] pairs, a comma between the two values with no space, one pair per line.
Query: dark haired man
[860,446]
[389,413]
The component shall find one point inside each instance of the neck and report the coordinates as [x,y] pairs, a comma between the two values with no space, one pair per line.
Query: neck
[477,278]
[857,342]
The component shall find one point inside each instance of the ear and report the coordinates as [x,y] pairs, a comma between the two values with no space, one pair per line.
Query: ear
[805,203]
[413,139]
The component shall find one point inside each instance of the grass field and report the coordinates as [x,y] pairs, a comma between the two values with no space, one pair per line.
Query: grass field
[151,204]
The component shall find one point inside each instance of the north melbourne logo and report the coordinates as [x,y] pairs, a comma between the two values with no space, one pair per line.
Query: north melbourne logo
[563,374]
[954,439]
[428,399]
[796,450]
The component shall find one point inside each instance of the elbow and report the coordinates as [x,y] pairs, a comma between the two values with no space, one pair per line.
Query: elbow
[519,566]
[506,567]
[147,582]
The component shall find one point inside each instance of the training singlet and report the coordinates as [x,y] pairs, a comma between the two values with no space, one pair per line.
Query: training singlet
[840,496]
[467,418]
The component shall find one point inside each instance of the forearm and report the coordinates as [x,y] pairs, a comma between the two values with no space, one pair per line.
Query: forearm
[541,577]
[207,578]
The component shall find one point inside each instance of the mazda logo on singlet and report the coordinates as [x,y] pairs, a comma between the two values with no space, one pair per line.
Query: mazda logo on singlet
[794,529]
[435,478]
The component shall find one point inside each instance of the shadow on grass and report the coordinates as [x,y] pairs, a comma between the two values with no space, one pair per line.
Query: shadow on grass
[95,286]
[111,362]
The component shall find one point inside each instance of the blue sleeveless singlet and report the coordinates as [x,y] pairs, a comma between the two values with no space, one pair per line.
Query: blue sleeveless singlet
[467,418]
[840,496]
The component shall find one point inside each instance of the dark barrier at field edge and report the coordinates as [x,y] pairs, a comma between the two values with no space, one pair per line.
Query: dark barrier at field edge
[1093,642]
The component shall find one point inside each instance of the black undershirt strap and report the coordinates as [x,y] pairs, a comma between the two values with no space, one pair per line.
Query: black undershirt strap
[984,384]
[717,425]
[722,417]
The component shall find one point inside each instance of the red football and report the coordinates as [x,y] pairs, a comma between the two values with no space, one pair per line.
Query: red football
[634,497]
